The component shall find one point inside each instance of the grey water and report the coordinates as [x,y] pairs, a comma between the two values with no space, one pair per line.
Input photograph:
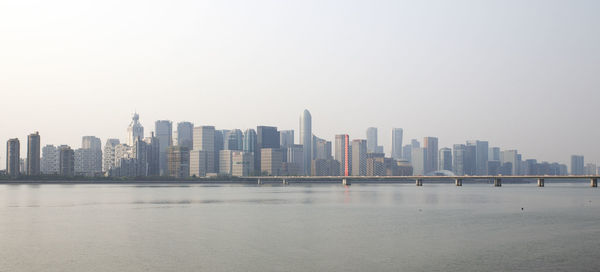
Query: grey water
[327,227]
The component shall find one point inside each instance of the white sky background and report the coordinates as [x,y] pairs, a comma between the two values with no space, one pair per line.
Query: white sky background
[520,74]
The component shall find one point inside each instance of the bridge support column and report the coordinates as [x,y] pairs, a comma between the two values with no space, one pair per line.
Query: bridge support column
[259,181]
[419,182]
[458,182]
[346,182]
[497,182]
[285,182]
[594,182]
[541,182]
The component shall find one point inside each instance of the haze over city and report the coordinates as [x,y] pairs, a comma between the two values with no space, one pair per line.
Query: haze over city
[521,75]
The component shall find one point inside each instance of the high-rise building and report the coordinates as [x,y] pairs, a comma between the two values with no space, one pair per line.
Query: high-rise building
[415,143]
[371,139]
[458,159]
[242,163]
[286,138]
[135,130]
[249,140]
[510,156]
[470,160]
[306,138]
[33,154]
[343,154]
[108,159]
[204,140]
[590,169]
[445,159]
[419,160]
[321,149]
[406,152]
[152,155]
[325,167]
[88,159]
[234,140]
[66,161]
[271,161]
[226,162]
[164,133]
[13,157]
[494,154]
[49,162]
[266,137]
[185,134]
[294,160]
[359,157]
[481,156]
[397,143]
[431,158]
[178,161]
[577,165]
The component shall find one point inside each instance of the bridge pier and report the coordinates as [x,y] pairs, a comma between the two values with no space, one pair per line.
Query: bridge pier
[541,182]
[594,182]
[458,182]
[419,182]
[497,182]
[346,182]
[285,182]
[259,182]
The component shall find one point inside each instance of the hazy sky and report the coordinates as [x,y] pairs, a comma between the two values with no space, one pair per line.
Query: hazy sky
[521,74]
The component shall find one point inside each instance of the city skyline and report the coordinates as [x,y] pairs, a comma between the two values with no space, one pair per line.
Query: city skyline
[461,71]
[387,146]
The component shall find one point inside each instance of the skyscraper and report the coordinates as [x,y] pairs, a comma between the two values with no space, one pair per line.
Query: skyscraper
[371,139]
[49,162]
[152,155]
[66,161]
[185,134]
[431,157]
[266,137]
[88,158]
[108,159]
[321,149]
[204,140]
[164,132]
[234,140]
[458,159]
[481,156]
[306,140]
[135,130]
[13,157]
[511,156]
[249,140]
[419,160]
[178,161]
[577,165]
[445,158]
[359,157]
[343,154]
[286,138]
[33,154]
[397,143]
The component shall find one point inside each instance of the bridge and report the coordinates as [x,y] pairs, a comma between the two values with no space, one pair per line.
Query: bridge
[458,180]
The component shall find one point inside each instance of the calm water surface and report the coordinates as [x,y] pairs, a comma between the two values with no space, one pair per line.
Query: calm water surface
[397,227]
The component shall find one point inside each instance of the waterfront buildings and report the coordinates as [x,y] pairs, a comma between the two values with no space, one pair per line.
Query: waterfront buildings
[431,154]
[185,134]
[135,130]
[108,160]
[445,159]
[163,130]
[419,160]
[13,157]
[481,156]
[49,163]
[306,138]
[397,143]
[286,138]
[66,161]
[577,165]
[359,157]
[202,157]
[88,158]
[33,154]
[178,158]
[271,161]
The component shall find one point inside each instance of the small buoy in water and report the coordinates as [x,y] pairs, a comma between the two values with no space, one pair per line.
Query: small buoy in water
[419,209]
[521,208]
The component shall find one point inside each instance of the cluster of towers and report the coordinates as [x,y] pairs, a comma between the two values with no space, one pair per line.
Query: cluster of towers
[190,150]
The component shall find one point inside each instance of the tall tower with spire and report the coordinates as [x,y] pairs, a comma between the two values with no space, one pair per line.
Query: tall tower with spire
[135,130]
